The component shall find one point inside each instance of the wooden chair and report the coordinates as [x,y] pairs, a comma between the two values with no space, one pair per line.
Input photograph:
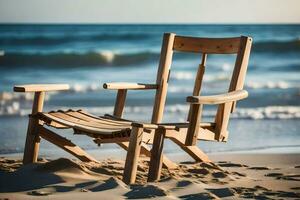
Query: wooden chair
[102,129]
[186,134]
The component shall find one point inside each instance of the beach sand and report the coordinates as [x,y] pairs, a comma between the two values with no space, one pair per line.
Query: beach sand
[230,176]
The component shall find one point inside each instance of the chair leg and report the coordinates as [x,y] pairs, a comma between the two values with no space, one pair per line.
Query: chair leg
[130,169]
[156,156]
[32,143]
[145,150]
[32,138]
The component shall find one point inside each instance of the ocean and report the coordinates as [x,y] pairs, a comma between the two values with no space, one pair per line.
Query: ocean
[86,56]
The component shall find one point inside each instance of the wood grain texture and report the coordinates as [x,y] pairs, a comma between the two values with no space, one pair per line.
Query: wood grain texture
[218,99]
[132,157]
[129,86]
[32,137]
[162,77]
[41,87]
[207,45]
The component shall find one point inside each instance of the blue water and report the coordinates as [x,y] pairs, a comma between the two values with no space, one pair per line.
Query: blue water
[86,56]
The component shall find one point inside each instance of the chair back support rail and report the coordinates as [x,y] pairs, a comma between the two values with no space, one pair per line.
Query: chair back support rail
[241,47]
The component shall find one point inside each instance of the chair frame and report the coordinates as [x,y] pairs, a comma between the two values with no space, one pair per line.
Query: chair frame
[132,144]
[183,134]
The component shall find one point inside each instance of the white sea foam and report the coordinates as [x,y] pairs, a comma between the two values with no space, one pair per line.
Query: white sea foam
[270,85]
[108,56]
[184,75]
[270,112]
[226,67]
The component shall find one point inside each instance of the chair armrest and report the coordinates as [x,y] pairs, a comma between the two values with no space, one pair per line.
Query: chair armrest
[218,99]
[40,87]
[129,86]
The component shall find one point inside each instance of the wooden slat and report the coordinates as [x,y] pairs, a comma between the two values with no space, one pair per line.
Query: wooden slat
[93,122]
[86,123]
[97,120]
[40,87]
[162,77]
[207,45]
[78,126]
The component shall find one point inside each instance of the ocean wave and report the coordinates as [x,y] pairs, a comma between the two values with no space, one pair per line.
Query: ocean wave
[271,85]
[277,46]
[71,59]
[47,40]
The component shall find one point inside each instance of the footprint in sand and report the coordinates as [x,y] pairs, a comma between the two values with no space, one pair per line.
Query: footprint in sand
[148,191]
[183,183]
[202,171]
[259,168]
[295,188]
[223,192]
[274,174]
[228,164]
[203,195]
[219,175]
[239,174]
[292,177]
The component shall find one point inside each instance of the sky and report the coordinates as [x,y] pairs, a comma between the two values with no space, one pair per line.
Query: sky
[150,11]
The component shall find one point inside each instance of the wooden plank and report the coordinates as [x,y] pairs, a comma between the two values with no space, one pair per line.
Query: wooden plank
[193,129]
[198,81]
[32,138]
[120,103]
[94,125]
[66,145]
[156,156]
[207,45]
[41,87]
[221,120]
[82,128]
[162,77]
[107,118]
[219,98]
[98,120]
[129,86]
[241,65]
[130,169]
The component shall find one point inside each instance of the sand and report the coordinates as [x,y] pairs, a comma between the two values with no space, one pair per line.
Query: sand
[230,176]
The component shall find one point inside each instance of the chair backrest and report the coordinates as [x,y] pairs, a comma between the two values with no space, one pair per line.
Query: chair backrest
[240,46]
[162,78]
